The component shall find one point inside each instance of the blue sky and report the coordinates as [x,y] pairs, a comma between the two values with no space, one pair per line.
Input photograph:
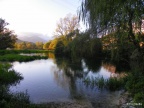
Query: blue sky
[39,16]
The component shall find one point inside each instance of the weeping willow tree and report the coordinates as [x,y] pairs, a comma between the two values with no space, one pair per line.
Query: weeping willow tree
[124,18]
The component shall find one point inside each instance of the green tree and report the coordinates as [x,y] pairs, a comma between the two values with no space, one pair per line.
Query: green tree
[119,16]
[59,48]
[85,46]
[7,37]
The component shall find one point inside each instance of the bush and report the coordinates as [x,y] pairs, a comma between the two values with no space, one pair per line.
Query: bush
[8,75]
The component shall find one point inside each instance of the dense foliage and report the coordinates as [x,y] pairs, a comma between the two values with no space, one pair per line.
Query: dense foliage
[79,44]
[108,16]
[117,50]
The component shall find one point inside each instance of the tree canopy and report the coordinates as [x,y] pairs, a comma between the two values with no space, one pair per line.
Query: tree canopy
[119,16]
[67,25]
[7,37]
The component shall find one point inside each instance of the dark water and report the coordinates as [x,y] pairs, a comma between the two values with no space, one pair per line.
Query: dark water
[63,80]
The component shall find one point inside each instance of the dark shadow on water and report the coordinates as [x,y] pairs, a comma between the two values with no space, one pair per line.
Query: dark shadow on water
[93,64]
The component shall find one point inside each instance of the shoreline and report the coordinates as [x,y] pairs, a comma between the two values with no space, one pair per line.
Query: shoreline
[121,102]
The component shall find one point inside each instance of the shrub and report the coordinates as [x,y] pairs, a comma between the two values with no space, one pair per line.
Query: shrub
[8,75]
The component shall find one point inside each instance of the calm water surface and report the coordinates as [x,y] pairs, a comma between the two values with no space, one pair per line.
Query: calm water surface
[62,80]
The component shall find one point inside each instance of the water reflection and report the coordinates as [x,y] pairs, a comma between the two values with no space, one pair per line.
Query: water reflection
[93,64]
[33,54]
[61,79]
[113,70]
[51,55]
[71,69]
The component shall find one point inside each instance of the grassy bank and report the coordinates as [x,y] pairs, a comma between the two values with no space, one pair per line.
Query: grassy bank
[3,52]
[20,58]
[13,55]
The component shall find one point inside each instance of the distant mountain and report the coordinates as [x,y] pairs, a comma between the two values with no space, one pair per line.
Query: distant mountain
[32,37]
[20,41]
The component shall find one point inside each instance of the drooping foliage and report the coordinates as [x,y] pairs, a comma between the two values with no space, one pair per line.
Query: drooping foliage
[7,37]
[117,49]
[108,16]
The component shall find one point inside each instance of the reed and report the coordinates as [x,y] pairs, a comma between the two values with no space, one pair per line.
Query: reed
[112,84]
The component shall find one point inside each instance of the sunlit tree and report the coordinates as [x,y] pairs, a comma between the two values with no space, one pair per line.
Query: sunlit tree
[29,45]
[66,25]
[46,45]
[39,45]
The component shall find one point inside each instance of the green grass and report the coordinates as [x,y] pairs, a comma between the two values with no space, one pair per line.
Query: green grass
[13,55]
[20,58]
[3,52]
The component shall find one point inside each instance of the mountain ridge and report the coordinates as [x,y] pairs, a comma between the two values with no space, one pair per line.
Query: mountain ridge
[32,37]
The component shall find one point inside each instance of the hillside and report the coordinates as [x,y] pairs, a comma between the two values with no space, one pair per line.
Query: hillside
[32,37]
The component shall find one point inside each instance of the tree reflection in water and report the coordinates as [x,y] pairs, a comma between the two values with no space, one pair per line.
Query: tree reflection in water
[73,72]
[68,73]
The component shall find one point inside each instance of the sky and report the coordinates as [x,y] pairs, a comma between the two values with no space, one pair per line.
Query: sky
[38,16]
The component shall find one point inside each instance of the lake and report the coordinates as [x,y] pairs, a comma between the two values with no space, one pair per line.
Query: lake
[62,80]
